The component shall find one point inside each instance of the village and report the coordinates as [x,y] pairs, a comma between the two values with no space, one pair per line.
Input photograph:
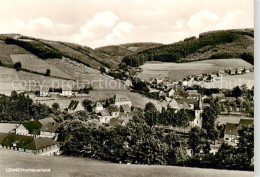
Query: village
[40,136]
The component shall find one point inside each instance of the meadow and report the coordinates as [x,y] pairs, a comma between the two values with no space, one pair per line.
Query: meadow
[178,71]
[84,167]
[33,63]
[223,119]
[229,82]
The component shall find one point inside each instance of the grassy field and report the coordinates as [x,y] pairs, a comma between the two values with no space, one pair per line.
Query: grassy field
[87,75]
[179,71]
[223,119]
[33,63]
[7,76]
[229,82]
[78,167]
[7,50]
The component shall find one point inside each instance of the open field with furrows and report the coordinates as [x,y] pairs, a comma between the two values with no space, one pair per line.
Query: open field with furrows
[229,82]
[33,63]
[9,80]
[86,75]
[7,50]
[137,99]
[78,167]
[223,119]
[178,71]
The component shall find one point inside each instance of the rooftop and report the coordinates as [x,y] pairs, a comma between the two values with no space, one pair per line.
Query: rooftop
[50,127]
[231,129]
[7,127]
[119,97]
[40,143]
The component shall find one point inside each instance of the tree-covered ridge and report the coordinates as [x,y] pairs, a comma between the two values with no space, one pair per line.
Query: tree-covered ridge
[206,42]
[35,47]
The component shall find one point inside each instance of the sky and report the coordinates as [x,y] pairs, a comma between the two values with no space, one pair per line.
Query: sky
[97,23]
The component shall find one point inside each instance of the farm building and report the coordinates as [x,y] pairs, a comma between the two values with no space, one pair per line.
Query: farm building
[122,100]
[49,130]
[21,130]
[44,92]
[29,144]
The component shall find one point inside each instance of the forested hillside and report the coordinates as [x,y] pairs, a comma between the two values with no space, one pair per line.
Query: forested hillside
[209,45]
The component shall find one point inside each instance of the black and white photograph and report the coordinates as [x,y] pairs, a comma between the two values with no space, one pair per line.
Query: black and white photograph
[128,88]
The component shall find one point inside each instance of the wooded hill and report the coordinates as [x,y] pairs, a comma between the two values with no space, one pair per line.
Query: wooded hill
[210,45]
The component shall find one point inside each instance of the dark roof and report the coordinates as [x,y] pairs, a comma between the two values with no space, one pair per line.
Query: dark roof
[2,136]
[40,143]
[32,126]
[115,121]
[245,122]
[73,104]
[19,140]
[104,112]
[187,100]
[126,108]
[46,120]
[113,108]
[231,129]
[50,127]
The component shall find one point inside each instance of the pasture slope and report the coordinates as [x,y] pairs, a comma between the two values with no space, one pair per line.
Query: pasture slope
[79,167]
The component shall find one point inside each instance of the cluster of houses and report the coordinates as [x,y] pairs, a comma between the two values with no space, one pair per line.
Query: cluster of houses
[35,136]
[231,130]
[118,112]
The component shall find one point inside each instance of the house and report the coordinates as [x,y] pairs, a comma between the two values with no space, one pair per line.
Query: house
[8,127]
[218,95]
[104,116]
[114,110]
[231,132]
[75,106]
[116,121]
[66,91]
[193,94]
[232,72]
[231,129]
[99,107]
[221,73]
[174,104]
[171,93]
[191,102]
[128,83]
[43,146]
[46,120]
[245,122]
[29,144]
[49,129]
[125,109]
[44,92]
[21,130]
[120,100]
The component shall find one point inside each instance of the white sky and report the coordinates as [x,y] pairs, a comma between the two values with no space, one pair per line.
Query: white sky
[96,23]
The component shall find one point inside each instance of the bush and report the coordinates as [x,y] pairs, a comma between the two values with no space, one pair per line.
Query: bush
[17,66]
[48,72]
